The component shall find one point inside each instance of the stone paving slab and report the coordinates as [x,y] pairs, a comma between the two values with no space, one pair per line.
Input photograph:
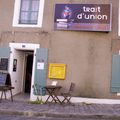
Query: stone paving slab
[57,110]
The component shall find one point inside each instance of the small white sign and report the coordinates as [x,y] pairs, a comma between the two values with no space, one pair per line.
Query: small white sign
[54,83]
[40,65]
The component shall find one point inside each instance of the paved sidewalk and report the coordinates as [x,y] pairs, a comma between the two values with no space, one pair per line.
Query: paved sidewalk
[77,110]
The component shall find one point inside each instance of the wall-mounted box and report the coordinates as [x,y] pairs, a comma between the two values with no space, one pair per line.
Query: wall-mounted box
[57,71]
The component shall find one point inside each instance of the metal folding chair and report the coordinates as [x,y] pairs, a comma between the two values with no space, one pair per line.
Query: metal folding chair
[67,95]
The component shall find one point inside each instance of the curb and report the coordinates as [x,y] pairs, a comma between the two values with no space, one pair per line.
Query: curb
[58,115]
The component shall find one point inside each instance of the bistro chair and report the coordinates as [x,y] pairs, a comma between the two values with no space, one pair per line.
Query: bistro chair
[67,95]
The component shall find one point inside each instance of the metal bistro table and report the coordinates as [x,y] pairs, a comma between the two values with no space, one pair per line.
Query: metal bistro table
[53,93]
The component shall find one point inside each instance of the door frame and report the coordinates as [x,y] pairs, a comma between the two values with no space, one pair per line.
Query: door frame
[23,47]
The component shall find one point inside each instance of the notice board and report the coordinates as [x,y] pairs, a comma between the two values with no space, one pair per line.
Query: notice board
[57,71]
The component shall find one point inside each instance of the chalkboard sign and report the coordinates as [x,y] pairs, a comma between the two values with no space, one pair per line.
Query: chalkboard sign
[3,77]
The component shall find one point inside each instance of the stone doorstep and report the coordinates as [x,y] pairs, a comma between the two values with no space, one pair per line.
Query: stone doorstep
[57,115]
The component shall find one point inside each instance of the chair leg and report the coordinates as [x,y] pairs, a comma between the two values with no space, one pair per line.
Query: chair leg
[66,98]
[5,94]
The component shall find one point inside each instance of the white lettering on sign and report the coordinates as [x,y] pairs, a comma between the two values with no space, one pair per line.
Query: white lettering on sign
[91,9]
[92,16]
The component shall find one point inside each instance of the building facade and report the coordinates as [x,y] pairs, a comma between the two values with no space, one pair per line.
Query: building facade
[88,55]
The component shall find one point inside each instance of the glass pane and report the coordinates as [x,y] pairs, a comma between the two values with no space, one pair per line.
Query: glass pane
[35,5]
[24,16]
[34,16]
[25,5]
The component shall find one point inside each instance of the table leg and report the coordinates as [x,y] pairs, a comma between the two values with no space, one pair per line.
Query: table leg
[5,94]
[51,94]
[47,99]
[1,95]
[58,100]
[11,95]
[53,91]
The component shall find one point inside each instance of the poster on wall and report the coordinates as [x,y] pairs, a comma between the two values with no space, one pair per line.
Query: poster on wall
[4,64]
[14,65]
[40,65]
[84,17]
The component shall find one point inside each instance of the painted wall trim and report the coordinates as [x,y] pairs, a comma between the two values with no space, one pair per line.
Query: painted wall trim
[17,11]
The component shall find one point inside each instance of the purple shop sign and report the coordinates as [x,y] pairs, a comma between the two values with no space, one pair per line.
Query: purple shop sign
[84,17]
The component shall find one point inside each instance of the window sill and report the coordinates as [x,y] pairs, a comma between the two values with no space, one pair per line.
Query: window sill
[24,25]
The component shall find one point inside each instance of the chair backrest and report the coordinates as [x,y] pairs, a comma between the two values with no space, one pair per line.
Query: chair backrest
[72,87]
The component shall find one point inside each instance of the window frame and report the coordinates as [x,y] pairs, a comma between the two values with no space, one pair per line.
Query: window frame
[17,7]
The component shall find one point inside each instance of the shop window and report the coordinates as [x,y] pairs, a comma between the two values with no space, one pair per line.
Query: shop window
[28,13]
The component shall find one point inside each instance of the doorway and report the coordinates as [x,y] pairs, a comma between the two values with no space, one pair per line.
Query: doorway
[28,72]
[33,61]
[24,54]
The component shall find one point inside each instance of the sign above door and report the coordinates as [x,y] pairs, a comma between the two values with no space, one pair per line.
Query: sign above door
[83,17]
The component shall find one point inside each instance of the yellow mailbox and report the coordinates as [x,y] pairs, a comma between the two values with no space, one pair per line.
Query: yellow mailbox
[57,71]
